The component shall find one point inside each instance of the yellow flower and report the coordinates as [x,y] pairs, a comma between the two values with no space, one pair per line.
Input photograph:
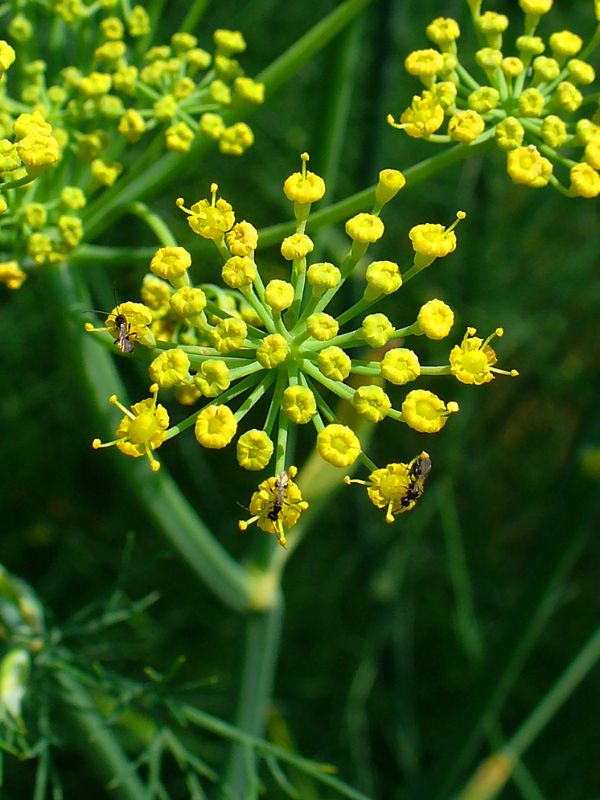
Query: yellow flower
[304,187]
[372,403]
[554,131]
[365,228]
[422,118]
[389,184]
[545,69]
[235,140]
[171,264]
[242,239]
[239,272]
[383,277]
[229,42]
[179,138]
[7,56]
[215,427]
[169,369]
[299,404]
[105,172]
[228,335]
[254,449]
[209,219]
[249,90]
[431,240]
[567,96]
[272,351]
[535,7]
[424,64]
[484,99]
[509,134]
[138,22]
[11,274]
[585,181]
[565,44]
[212,378]
[443,31]
[425,412]
[322,326]
[512,66]
[400,365]
[525,165]
[472,361]
[142,429]
[397,487]
[531,103]
[435,319]
[322,276]
[276,505]
[377,330]
[211,125]
[188,303]
[334,363]
[132,125]
[296,246]
[279,295]
[465,126]
[338,445]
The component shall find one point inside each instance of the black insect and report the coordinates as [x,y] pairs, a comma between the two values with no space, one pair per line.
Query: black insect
[123,340]
[282,481]
[420,467]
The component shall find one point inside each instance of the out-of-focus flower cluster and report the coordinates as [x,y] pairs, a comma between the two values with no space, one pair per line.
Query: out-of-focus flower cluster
[82,109]
[534,98]
[281,345]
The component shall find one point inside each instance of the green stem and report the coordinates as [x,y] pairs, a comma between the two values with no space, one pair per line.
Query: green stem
[157,495]
[307,46]
[489,779]
[521,632]
[263,636]
[96,738]
[154,222]
[365,198]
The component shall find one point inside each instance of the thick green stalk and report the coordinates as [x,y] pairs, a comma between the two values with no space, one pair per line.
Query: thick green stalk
[96,740]
[263,636]
[157,495]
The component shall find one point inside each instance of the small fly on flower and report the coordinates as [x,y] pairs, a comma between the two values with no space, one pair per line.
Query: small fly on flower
[123,340]
[419,469]
[121,325]
[282,482]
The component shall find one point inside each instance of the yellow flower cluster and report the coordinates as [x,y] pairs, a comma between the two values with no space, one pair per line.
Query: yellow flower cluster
[531,103]
[81,120]
[254,339]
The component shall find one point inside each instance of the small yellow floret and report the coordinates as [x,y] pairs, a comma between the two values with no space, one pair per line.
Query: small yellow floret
[372,403]
[435,319]
[215,427]
[299,404]
[254,449]
[338,445]
[425,412]
[272,351]
[212,378]
[525,165]
[169,369]
[304,187]
[400,365]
